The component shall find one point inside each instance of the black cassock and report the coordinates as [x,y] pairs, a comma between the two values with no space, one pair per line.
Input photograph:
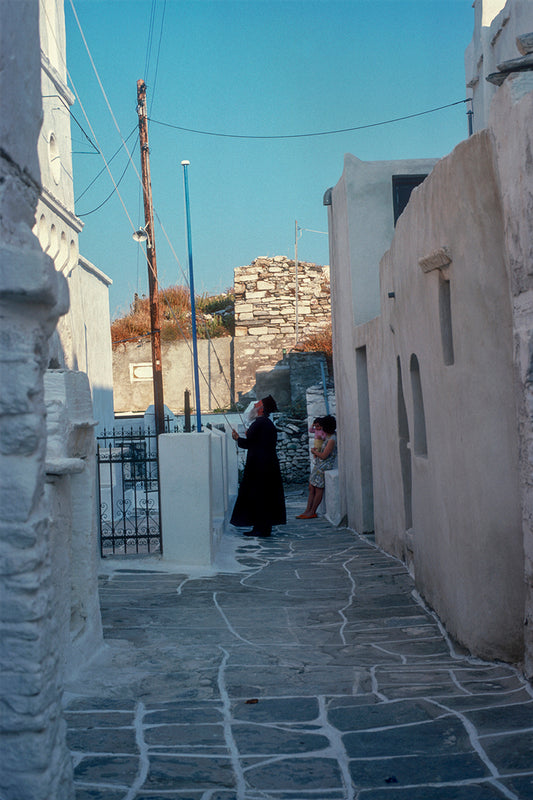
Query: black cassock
[261,501]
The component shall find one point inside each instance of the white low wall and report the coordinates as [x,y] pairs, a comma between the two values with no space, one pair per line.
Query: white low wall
[331,506]
[197,476]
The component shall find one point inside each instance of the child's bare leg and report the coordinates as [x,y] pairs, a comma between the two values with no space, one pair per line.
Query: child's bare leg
[317,499]
[310,498]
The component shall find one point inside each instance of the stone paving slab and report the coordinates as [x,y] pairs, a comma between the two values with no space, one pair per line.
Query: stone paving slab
[311,672]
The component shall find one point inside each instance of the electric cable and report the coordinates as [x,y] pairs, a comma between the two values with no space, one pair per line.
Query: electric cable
[156,279]
[150,35]
[66,105]
[152,94]
[117,151]
[109,196]
[307,135]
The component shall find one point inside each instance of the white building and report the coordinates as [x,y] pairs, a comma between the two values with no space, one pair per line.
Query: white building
[497,25]
[49,605]
[83,338]
[432,353]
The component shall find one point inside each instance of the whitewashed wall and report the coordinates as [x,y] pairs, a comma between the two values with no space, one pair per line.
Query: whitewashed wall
[83,337]
[496,26]
[438,439]
[34,761]
[512,132]
[455,503]
[361,227]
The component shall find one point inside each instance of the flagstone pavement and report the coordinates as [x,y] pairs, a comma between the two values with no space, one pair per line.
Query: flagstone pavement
[308,669]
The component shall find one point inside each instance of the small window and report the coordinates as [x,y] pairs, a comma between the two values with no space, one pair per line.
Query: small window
[402,186]
[420,440]
[445,316]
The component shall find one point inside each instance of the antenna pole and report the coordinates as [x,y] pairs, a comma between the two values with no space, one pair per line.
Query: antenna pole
[296,331]
[155,330]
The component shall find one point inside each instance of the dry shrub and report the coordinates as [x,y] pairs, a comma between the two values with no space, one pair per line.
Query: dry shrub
[175,316]
[318,342]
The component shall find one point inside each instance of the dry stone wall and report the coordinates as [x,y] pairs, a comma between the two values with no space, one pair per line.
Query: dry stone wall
[293,448]
[267,315]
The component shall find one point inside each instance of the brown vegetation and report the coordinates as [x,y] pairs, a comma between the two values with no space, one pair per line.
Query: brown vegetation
[318,342]
[214,316]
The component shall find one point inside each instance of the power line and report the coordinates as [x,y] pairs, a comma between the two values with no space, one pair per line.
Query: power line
[152,93]
[171,310]
[109,162]
[307,135]
[150,37]
[109,196]
[66,105]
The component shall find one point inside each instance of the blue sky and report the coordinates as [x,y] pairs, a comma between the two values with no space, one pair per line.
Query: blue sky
[253,68]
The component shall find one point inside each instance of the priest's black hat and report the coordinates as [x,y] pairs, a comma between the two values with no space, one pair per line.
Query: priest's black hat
[269,404]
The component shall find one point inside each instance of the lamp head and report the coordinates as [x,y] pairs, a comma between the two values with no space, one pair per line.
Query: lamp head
[140,236]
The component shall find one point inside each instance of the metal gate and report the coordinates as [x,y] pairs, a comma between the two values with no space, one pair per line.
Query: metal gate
[128,493]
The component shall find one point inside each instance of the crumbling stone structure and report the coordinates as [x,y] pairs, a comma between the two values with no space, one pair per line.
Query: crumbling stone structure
[275,308]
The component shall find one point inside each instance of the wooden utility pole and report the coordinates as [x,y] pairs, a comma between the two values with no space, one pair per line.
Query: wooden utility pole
[155,330]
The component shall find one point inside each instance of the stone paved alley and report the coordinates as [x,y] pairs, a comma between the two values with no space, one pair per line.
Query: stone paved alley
[313,673]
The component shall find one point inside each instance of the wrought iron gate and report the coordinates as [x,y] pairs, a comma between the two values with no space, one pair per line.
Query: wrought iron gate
[128,493]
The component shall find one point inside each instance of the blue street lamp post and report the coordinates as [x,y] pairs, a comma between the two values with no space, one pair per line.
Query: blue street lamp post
[185,164]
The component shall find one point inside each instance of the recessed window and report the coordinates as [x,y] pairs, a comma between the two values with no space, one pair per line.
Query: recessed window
[445,316]
[405,452]
[365,440]
[55,159]
[402,186]
[420,440]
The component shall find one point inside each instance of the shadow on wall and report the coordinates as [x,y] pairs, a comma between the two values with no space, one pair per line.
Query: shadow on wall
[289,380]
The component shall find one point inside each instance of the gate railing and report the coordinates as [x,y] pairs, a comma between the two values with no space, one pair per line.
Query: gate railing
[128,492]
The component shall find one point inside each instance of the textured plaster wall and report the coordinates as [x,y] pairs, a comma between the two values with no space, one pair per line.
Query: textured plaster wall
[83,339]
[91,334]
[465,538]
[71,495]
[512,110]
[496,26]
[216,379]
[368,186]
[361,228]
[453,337]
[35,763]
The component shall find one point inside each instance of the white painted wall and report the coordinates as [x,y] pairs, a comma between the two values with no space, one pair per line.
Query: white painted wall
[35,763]
[496,26]
[91,333]
[71,493]
[83,337]
[185,487]
[198,483]
[361,228]
[510,125]
[470,499]
[466,533]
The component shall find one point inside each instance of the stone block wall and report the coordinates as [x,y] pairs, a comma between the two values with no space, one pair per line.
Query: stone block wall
[266,308]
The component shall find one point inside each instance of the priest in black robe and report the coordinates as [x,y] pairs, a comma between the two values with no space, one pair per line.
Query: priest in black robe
[260,501]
